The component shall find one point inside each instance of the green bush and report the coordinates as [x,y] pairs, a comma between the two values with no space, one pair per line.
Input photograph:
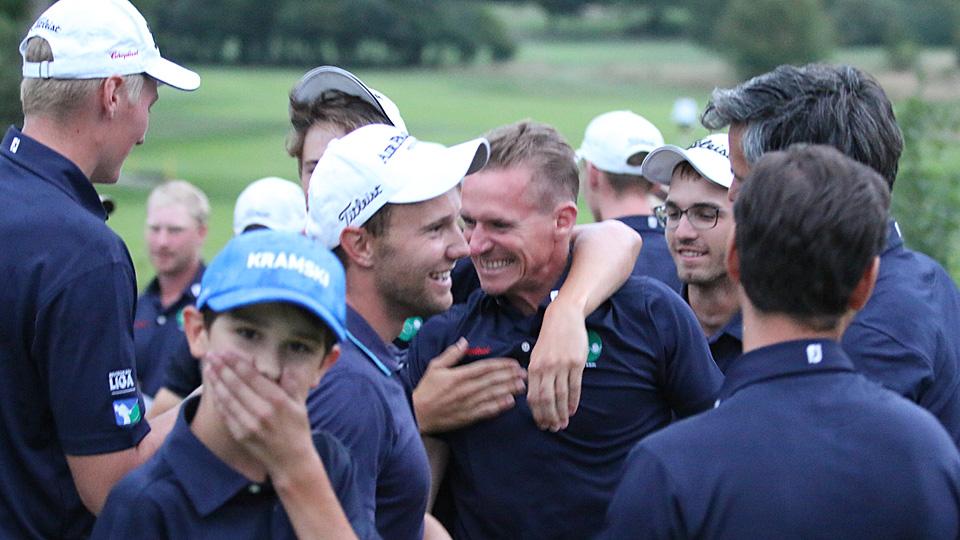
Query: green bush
[759,35]
[10,36]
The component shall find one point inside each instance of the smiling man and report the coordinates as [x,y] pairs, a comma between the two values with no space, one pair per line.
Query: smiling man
[388,205]
[648,359]
[699,178]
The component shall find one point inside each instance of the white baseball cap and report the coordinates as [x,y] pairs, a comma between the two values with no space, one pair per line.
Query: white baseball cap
[710,156]
[323,78]
[93,39]
[273,202]
[613,137]
[379,164]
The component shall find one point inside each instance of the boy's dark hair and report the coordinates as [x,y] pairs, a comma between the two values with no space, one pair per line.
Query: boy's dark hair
[327,337]
[809,220]
[839,106]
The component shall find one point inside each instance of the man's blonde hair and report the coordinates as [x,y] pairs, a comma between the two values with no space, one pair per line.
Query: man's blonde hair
[181,192]
[61,98]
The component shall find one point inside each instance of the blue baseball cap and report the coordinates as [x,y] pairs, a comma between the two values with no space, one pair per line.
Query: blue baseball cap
[277,266]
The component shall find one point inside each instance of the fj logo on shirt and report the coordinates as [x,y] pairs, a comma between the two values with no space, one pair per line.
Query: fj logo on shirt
[814,353]
[594,348]
[121,381]
[15,144]
[126,411]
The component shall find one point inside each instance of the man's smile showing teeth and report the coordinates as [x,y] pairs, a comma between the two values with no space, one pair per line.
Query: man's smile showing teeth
[440,276]
[494,265]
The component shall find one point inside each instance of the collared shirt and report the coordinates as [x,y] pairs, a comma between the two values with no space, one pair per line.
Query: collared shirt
[726,344]
[158,332]
[907,337]
[654,259]
[362,402]
[67,369]
[186,491]
[648,360]
[800,446]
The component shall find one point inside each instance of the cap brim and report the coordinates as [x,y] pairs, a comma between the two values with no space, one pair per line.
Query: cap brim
[454,163]
[258,295]
[319,80]
[174,75]
[659,164]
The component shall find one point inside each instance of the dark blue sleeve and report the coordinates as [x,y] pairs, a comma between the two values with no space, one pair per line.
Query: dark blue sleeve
[362,430]
[85,331]
[645,504]
[340,470]
[183,371]
[691,379]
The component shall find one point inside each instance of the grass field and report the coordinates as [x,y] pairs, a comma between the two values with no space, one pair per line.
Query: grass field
[232,130]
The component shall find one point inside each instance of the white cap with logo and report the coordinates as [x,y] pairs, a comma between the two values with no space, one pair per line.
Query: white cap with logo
[323,78]
[710,156]
[93,39]
[379,164]
[614,137]
[272,202]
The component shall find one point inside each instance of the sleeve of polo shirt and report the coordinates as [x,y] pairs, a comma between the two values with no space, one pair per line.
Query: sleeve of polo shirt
[183,371]
[341,472]
[645,505]
[350,408]
[691,379]
[84,340]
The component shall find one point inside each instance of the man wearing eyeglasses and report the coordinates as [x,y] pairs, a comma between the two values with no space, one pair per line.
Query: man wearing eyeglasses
[698,218]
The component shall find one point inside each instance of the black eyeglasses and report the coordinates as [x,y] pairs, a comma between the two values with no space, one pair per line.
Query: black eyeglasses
[701,216]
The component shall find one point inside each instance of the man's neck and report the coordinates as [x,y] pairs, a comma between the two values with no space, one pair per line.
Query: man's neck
[173,285]
[369,304]
[528,299]
[765,329]
[208,427]
[714,304]
[61,138]
[625,204]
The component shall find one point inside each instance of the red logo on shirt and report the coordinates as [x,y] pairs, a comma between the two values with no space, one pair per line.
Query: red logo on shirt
[478,351]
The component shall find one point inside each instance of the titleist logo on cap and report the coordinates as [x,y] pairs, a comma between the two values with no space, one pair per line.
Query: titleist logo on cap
[45,24]
[710,145]
[356,206]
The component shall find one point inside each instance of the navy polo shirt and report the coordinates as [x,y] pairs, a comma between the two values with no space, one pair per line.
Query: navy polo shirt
[67,369]
[182,374]
[800,446]
[648,360]
[157,331]
[362,402]
[907,337]
[185,491]
[726,344]
[654,259]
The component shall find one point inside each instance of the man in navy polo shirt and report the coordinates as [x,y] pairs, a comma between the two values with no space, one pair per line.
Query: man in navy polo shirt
[614,147]
[799,445]
[388,204]
[648,359]
[70,414]
[905,337]
[176,227]
[699,178]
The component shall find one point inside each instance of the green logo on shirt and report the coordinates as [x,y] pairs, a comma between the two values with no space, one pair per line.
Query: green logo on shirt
[410,328]
[594,348]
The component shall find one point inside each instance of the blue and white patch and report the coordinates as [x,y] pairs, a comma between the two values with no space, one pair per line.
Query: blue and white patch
[126,411]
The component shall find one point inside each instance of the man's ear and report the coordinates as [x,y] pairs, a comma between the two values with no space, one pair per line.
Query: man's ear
[565,217]
[862,293]
[328,360]
[110,96]
[358,245]
[197,334]
[733,258]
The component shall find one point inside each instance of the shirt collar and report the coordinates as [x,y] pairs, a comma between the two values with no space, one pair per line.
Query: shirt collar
[894,238]
[52,167]
[641,223]
[208,482]
[188,296]
[361,334]
[790,358]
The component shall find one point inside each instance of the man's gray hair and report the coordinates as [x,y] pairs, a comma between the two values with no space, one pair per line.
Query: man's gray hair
[839,106]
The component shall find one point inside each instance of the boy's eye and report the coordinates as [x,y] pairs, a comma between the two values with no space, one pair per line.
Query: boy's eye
[247,333]
[299,347]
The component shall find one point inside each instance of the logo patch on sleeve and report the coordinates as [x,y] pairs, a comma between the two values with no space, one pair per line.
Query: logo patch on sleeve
[121,381]
[126,411]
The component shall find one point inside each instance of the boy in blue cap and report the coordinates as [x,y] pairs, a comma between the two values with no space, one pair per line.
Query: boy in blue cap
[241,461]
